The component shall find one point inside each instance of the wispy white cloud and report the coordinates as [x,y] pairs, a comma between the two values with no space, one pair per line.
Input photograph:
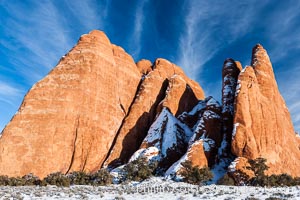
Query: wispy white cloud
[37,31]
[33,38]
[87,14]
[283,32]
[208,28]
[139,19]
[8,90]
[45,33]
[10,96]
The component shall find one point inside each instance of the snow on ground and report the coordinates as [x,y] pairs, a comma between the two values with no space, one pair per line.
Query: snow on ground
[155,188]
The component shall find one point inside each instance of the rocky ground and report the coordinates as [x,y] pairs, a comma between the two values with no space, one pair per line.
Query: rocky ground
[150,189]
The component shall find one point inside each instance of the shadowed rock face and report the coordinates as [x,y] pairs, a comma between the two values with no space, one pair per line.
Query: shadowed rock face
[166,140]
[204,121]
[230,72]
[262,122]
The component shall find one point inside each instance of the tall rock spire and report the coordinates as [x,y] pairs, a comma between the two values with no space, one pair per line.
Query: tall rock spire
[262,122]
[230,72]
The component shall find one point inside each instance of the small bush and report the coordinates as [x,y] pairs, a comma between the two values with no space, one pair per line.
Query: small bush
[31,179]
[226,180]
[195,175]
[58,179]
[258,166]
[138,170]
[16,181]
[79,178]
[4,180]
[101,177]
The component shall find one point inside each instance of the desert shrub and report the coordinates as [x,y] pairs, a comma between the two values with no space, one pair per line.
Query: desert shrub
[240,178]
[282,180]
[58,179]
[258,166]
[28,179]
[226,180]
[195,175]
[138,170]
[79,178]
[31,179]
[4,180]
[16,181]
[101,177]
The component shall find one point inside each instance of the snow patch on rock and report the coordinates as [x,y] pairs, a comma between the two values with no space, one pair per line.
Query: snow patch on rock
[208,144]
[234,129]
[232,166]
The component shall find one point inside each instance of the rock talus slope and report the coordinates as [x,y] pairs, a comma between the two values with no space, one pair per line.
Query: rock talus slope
[262,122]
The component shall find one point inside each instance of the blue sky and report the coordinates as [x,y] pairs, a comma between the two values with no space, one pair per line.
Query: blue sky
[195,34]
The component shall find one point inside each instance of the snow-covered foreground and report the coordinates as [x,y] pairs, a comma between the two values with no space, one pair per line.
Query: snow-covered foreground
[150,189]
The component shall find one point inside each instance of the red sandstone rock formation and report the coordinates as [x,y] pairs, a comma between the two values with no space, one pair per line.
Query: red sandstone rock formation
[69,119]
[144,66]
[262,122]
[95,105]
[98,108]
[165,86]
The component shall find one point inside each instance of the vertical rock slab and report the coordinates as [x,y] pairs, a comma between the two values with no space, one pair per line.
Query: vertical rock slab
[138,121]
[262,122]
[230,72]
[165,85]
[179,97]
[192,89]
[68,120]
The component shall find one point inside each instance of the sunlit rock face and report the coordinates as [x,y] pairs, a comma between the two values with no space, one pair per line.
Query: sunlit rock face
[68,120]
[262,122]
